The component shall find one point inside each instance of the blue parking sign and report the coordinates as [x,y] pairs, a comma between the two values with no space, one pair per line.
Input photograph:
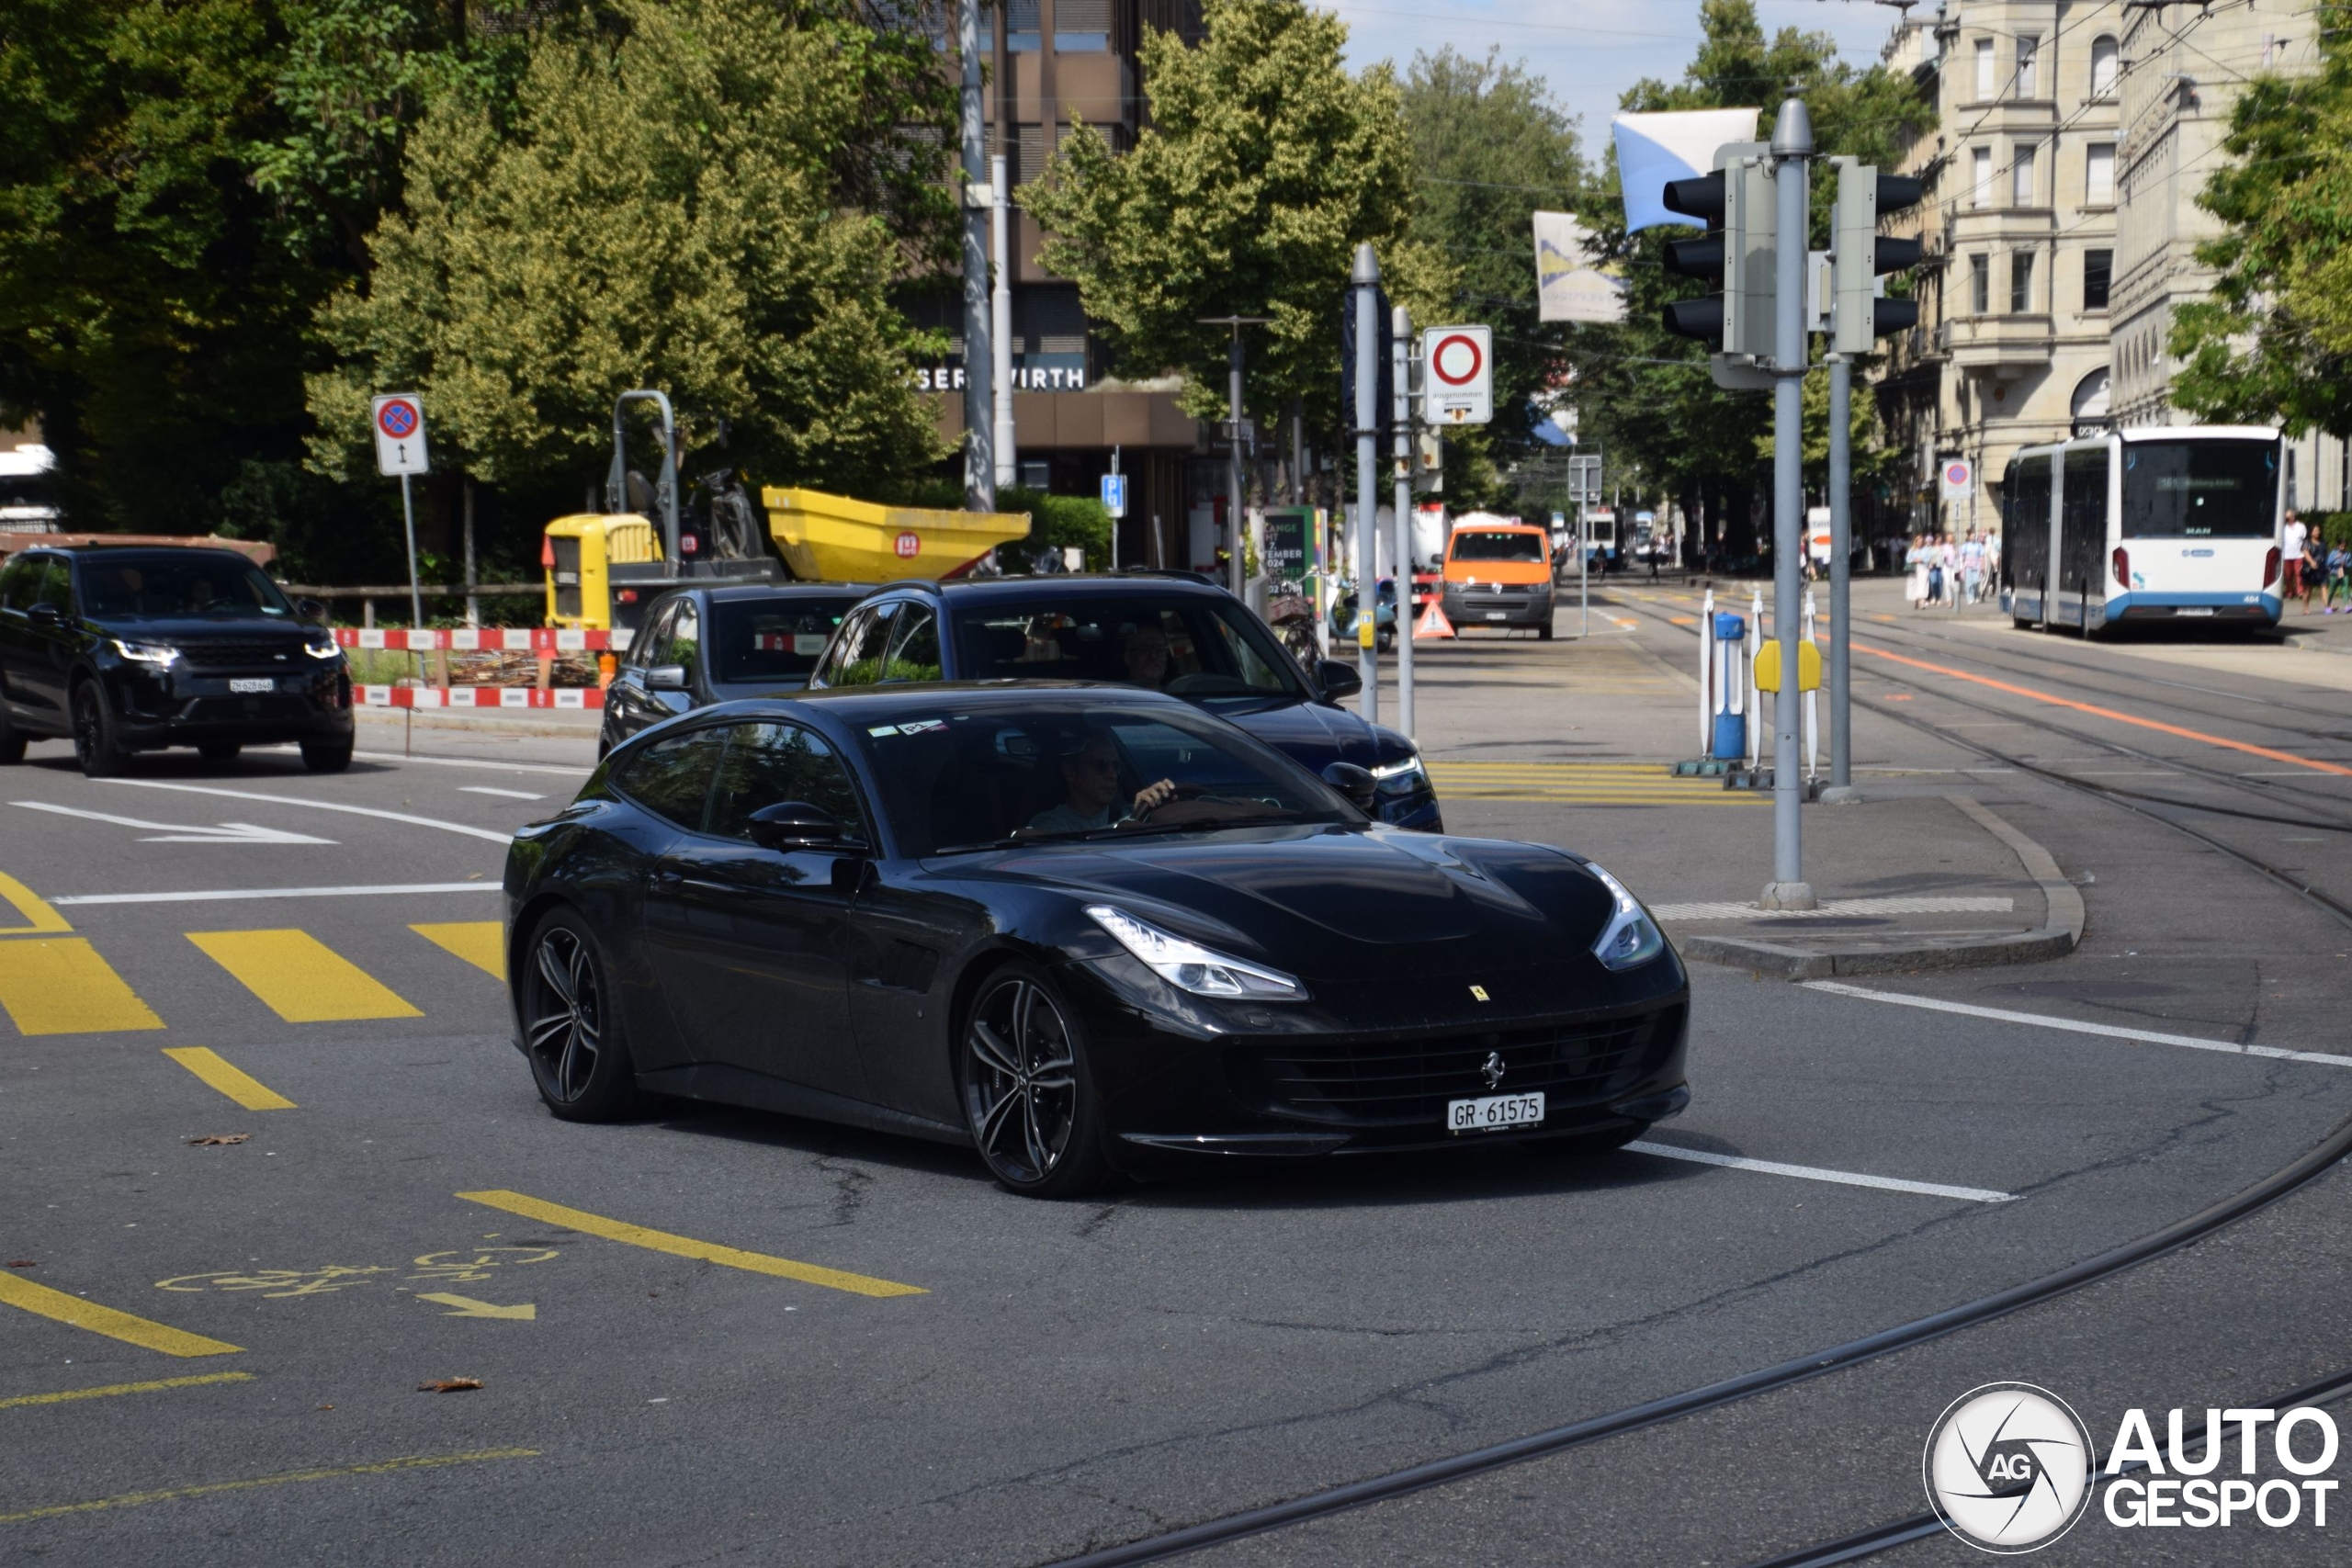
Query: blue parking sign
[1115,494]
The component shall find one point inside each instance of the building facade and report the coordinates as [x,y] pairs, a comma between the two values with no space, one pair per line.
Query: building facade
[1054,63]
[2060,222]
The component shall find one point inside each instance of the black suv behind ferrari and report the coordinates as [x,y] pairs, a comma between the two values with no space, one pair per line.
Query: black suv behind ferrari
[133,648]
[1164,631]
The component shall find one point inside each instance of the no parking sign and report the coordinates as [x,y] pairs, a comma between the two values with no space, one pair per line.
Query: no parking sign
[1958,476]
[398,420]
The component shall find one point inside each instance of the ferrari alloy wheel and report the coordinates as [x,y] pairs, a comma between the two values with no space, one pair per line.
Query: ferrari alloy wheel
[1025,1089]
[578,1059]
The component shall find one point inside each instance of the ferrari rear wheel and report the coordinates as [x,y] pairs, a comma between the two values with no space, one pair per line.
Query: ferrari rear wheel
[1027,1095]
[571,1028]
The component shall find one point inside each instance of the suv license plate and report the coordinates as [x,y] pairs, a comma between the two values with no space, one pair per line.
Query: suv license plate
[1494,1112]
[249,684]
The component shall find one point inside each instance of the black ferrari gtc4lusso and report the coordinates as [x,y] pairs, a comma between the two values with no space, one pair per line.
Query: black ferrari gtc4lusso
[1082,929]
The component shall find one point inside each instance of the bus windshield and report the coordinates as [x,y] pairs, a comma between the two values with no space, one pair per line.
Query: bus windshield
[2201,489]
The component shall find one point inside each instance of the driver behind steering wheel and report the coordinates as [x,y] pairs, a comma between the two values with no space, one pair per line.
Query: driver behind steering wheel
[1091,776]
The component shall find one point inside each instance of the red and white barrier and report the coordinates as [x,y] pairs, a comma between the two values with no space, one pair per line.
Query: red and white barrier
[478,697]
[485,640]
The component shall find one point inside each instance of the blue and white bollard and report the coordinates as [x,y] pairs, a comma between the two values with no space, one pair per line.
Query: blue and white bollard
[1728,643]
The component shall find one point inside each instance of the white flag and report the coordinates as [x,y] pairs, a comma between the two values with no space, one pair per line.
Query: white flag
[1655,147]
[1567,285]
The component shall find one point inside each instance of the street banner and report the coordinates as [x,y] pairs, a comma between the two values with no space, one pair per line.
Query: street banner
[1653,148]
[1568,288]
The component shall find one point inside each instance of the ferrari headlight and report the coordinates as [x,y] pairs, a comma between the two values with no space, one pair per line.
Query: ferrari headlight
[1190,966]
[159,654]
[1406,777]
[326,649]
[1631,937]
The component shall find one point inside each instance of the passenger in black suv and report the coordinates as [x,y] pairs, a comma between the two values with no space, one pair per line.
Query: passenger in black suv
[137,648]
[1174,634]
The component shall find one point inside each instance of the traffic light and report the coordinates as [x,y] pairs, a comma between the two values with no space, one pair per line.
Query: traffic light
[1858,254]
[1735,204]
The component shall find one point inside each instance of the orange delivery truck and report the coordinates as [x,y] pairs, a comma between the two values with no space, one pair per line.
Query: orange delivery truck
[1499,573]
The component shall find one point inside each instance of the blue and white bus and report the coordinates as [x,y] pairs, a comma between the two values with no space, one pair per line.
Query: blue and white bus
[2169,523]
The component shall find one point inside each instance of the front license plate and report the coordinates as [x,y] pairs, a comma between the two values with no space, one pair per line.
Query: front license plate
[1497,615]
[246,683]
[1494,1112]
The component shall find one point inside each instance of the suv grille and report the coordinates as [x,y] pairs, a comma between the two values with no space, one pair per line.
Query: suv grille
[1385,1083]
[224,655]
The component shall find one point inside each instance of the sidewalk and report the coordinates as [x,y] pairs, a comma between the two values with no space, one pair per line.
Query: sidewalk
[1572,743]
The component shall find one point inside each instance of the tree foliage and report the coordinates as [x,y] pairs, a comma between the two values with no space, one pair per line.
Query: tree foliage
[2274,341]
[1489,144]
[1648,394]
[672,207]
[1263,167]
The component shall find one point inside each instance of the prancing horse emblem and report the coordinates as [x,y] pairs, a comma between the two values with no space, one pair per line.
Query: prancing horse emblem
[1493,1067]
[1478,993]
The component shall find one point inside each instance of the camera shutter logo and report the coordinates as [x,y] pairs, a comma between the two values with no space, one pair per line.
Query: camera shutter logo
[2008,1467]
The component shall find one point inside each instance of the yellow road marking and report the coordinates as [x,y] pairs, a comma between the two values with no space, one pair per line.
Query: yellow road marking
[18,1291]
[39,918]
[686,1246]
[301,978]
[61,986]
[482,943]
[239,1086]
[468,1307]
[111,1390]
[172,1494]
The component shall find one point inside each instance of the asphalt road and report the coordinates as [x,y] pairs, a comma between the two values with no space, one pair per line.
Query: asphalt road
[719,1337]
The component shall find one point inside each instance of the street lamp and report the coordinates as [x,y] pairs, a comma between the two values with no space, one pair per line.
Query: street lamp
[1233,496]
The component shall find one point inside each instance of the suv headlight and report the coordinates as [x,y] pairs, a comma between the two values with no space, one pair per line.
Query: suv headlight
[159,654]
[1406,777]
[1631,937]
[1187,966]
[326,649]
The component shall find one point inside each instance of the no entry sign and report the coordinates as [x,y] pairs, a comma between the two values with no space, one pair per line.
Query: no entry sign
[398,420]
[1457,376]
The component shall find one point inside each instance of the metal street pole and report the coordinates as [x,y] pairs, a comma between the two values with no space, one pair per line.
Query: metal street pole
[1008,471]
[1791,152]
[1234,572]
[1841,551]
[976,199]
[1366,280]
[1400,367]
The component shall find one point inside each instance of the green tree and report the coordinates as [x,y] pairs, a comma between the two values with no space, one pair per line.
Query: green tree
[1648,394]
[668,208]
[1263,168]
[2274,341]
[1488,141]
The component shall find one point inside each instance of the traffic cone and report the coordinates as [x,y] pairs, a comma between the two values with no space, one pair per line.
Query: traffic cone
[1433,626]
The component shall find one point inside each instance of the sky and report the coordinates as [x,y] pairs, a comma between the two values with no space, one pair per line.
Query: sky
[1591,51]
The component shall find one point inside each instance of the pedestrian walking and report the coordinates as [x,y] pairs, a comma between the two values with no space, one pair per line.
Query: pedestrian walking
[2338,564]
[1915,561]
[2291,540]
[1947,560]
[1971,567]
[2313,570]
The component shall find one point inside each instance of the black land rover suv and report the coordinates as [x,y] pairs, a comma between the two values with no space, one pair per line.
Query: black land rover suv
[133,648]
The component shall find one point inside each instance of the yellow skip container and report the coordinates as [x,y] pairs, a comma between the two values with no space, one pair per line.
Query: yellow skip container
[830,538]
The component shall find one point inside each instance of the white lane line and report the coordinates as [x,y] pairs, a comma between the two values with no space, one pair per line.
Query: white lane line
[211,895]
[320,805]
[570,771]
[503,793]
[1819,1173]
[2076,1026]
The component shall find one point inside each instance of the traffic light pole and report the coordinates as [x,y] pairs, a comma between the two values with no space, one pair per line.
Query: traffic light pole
[1366,280]
[1792,155]
[1401,415]
[1841,575]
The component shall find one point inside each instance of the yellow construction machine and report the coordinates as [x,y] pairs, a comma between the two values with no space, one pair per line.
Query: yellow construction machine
[603,568]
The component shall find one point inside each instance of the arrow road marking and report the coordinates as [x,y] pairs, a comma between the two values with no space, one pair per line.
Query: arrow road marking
[469,1307]
[176,833]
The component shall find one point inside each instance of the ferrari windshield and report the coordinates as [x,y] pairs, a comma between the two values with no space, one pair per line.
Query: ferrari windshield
[983,774]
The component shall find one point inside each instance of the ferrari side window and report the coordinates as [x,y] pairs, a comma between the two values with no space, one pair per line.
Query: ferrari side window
[768,763]
[672,777]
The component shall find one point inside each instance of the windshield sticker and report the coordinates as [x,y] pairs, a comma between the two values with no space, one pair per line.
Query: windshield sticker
[883,729]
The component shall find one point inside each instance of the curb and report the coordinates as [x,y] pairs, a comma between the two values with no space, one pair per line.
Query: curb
[2055,940]
[488,720]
